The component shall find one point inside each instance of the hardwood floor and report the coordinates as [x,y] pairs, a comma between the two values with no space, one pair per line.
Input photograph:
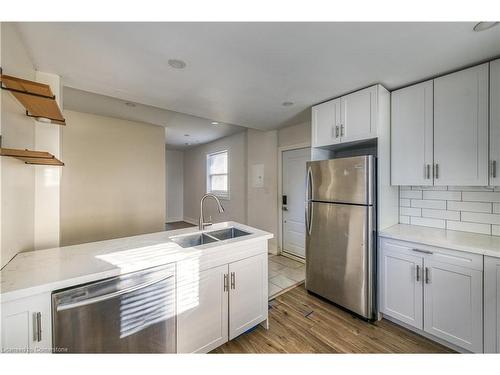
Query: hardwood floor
[302,323]
[177,225]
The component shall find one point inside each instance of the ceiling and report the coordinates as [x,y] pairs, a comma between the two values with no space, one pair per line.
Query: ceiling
[179,127]
[241,73]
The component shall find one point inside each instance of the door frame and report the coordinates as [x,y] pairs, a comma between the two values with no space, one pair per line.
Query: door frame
[282,149]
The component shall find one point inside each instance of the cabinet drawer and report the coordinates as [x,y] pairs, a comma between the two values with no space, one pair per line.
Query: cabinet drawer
[438,254]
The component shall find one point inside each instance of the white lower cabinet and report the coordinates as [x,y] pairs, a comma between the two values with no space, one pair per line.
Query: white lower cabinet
[219,303]
[26,325]
[401,283]
[453,304]
[491,305]
[436,290]
[248,294]
[202,310]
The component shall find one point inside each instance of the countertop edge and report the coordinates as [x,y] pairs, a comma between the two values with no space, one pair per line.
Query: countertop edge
[444,243]
[48,287]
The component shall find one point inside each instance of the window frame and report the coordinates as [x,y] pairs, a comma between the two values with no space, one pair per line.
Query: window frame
[218,193]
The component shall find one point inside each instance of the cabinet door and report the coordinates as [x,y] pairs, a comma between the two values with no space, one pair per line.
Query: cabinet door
[495,123]
[401,285]
[325,123]
[26,325]
[202,308]
[412,135]
[359,115]
[453,304]
[461,128]
[248,294]
[491,305]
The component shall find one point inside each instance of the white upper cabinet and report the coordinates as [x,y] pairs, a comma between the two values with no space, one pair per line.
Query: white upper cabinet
[358,115]
[412,135]
[495,123]
[461,128]
[326,123]
[352,117]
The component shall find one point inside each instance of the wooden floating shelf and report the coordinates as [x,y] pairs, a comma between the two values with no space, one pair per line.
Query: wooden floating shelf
[36,97]
[31,157]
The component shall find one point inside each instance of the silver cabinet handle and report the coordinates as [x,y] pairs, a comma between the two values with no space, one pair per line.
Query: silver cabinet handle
[341,130]
[428,171]
[37,326]
[436,171]
[336,131]
[422,251]
[494,168]
[427,276]
[226,286]
[233,281]
[418,273]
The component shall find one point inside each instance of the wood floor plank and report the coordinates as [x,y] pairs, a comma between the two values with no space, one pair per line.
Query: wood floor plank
[303,323]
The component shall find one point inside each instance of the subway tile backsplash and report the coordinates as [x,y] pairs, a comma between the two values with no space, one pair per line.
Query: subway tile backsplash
[462,208]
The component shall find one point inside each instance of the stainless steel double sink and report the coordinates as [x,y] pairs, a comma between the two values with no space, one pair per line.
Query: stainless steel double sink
[198,239]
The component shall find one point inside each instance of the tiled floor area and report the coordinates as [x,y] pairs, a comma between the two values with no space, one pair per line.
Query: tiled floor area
[284,274]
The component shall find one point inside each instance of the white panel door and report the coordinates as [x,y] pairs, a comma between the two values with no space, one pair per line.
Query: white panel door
[325,119]
[401,285]
[453,304]
[248,294]
[202,308]
[412,135]
[358,115]
[495,123]
[293,190]
[27,325]
[491,305]
[461,128]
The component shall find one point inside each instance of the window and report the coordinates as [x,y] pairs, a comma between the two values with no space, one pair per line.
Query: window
[218,174]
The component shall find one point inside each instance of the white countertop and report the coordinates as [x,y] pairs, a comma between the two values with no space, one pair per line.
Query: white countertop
[450,239]
[41,271]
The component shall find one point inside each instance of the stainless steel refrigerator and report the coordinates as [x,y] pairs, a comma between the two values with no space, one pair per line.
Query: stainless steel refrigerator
[341,232]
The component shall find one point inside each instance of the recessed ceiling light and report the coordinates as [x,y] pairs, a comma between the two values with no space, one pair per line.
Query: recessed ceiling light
[186,135]
[177,64]
[129,104]
[287,104]
[215,123]
[481,26]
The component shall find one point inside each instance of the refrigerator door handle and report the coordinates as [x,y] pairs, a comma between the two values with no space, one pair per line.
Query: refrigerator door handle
[309,209]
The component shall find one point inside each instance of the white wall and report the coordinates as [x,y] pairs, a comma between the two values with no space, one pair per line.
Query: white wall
[262,210]
[175,185]
[18,131]
[195,180]
[295,134]
[113,183]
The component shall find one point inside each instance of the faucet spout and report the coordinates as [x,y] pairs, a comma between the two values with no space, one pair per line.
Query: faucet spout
[201,222]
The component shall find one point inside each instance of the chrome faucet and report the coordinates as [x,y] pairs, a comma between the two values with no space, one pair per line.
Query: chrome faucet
[201,222]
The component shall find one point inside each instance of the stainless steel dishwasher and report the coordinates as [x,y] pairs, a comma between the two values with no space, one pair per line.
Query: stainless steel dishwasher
[131,313]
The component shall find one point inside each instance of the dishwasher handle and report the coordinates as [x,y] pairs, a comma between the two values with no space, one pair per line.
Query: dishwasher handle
[108,296]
